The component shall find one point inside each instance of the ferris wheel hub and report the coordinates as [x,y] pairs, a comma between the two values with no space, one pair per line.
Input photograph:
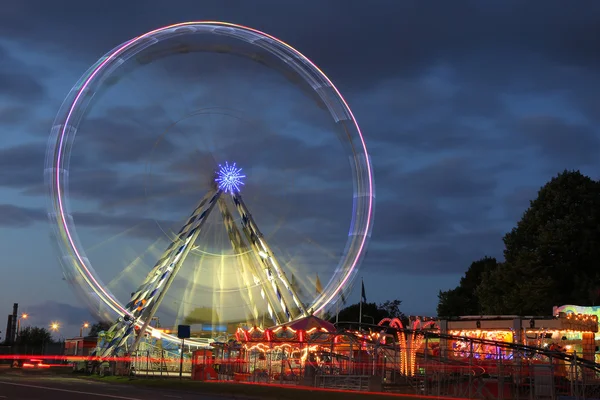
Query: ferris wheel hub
[230,178]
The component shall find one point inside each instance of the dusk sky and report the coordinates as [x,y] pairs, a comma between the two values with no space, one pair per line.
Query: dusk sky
[467,107]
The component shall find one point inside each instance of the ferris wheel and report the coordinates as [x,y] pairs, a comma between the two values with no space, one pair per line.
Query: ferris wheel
[264,285]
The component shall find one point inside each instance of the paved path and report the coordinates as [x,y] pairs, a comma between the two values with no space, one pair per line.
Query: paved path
[43,388]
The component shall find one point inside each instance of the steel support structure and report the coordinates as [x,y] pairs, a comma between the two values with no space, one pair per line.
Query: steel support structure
[241,250]
[266,258]
[146,299]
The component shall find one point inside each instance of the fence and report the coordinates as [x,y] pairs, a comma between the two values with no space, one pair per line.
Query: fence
[509,371]
[351,361]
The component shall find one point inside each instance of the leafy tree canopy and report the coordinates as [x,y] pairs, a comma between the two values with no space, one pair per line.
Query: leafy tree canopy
[35,337]
[391,309]
[463,299]
[98,327]
[372,312]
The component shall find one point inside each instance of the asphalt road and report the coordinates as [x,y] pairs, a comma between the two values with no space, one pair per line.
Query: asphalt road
[43,388]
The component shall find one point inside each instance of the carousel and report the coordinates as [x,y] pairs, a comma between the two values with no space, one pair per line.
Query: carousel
[287,353]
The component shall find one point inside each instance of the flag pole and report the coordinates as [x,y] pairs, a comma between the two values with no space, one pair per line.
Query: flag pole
[362,286]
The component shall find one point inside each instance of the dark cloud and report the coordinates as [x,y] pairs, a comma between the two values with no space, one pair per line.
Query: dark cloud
[113,191]
[443,253]
[14,114]
[516,202]
[18,82]
[138,227]
[20,86]
[429,137]
[22,166]
[451,177]
[401,220]
[558,140]
[19,217]
[65,314]
[125,135]
[14,216]
[404,37]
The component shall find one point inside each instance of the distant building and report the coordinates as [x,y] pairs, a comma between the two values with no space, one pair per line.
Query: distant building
[80,346]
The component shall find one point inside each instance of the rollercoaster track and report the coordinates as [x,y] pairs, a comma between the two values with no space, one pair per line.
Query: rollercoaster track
[432,334]
[520,348]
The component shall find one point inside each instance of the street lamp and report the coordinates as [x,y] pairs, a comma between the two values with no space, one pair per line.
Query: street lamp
[85,325]
[23,316]
[54,326]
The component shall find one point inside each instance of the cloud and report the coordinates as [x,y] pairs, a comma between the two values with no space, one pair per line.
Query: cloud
[18,81]
[22,166]
[63,313]
[20,86]
[124,135]
[442,254]
[556,139]
[13,114]
[19,217]
[408,221]
[14,216]
[517,201]
[453,177]
[404,37]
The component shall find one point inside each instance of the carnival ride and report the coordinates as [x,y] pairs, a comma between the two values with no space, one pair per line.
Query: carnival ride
[258,268]
[414,356]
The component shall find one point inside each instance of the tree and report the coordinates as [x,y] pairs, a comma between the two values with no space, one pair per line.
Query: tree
[463,299]
[551,256]
[98,327]
[372,312]
[392,309]
[452,302]
[35,337]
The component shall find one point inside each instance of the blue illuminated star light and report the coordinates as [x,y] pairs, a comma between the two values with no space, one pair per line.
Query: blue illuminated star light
[230,178]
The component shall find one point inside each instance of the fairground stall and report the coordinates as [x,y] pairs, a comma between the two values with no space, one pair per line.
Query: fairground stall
[576,337]
[512,354]
[572,333]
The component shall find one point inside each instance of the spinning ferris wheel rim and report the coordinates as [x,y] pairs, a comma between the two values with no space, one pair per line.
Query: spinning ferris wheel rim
[57,160]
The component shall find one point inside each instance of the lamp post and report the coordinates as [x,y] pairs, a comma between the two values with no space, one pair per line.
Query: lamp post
[84,325]
[23,316]
[55,326]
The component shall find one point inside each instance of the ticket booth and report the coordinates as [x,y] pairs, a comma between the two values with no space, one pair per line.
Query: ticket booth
[203,365]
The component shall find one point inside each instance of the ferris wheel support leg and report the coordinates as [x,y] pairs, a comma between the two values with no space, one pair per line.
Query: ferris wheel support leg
[148,297]
[266,257]
[163,261]
[241,249]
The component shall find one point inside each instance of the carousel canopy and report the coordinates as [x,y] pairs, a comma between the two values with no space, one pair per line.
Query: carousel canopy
[310,322]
